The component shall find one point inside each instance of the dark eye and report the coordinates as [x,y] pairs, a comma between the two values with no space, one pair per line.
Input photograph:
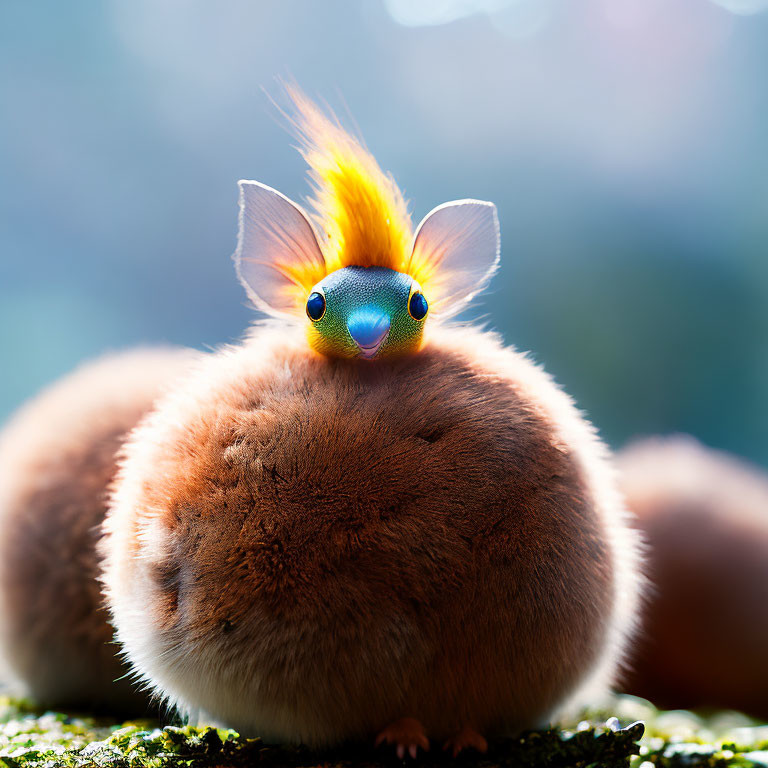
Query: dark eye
[315,306]
[417,306]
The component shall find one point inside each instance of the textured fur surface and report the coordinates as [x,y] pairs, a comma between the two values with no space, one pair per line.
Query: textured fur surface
[308,549]
[57,458]
[704,639]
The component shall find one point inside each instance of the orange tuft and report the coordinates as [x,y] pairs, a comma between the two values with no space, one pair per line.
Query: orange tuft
[358,207]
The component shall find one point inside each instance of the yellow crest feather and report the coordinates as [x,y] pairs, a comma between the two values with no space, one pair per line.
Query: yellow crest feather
[357,207]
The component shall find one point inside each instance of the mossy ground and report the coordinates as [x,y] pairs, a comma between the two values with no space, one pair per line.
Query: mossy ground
[609,737]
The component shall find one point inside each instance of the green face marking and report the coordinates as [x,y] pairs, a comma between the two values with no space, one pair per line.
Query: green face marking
[366,312]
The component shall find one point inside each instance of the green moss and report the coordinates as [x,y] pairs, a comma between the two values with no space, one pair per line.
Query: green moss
[32,739]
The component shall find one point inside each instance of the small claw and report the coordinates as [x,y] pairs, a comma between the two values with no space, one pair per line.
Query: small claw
[453,747]
[467,738]
[406,735]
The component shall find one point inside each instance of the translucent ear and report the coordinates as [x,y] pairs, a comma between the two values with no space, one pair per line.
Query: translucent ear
[278,254]
[456,248]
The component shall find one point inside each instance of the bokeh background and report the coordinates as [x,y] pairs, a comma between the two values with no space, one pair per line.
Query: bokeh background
[624,142]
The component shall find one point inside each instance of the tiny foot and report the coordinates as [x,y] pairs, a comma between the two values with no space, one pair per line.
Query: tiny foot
[407,735]
[466,738]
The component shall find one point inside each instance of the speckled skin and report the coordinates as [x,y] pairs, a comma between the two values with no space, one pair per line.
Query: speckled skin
[704,638]
[57,458]
[349,289]
[309,549]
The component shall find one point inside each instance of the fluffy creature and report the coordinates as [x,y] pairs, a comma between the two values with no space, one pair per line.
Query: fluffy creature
[311,550]
[57,457]
[412,535]
[360,523]
[704,637]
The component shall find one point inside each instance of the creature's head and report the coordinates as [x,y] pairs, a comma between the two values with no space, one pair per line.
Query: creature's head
[368,286]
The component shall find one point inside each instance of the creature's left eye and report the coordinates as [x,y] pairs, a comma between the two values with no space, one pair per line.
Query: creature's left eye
[417,306]
[315,306]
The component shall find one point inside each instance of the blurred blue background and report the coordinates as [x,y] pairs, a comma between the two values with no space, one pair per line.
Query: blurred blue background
[624,142]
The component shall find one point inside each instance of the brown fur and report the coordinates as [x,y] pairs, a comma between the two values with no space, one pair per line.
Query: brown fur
[56,460]
[309,549]
[705,629]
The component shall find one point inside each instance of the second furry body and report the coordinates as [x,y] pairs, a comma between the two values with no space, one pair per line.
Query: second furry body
[704,515]
[58,457]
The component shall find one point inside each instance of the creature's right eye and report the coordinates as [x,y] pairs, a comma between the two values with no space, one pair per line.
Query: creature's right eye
[315,306]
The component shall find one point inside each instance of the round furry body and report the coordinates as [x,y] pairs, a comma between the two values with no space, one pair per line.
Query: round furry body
[57,458]
[308,549]
[704,631]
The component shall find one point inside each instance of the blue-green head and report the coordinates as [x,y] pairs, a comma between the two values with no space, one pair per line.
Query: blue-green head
[365,283]
[360,302]
[366,312]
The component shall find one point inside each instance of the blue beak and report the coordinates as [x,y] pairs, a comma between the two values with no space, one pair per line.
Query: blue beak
[368,327]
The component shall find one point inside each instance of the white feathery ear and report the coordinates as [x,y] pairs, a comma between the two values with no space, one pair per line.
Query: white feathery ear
[457,245]
[276,246]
